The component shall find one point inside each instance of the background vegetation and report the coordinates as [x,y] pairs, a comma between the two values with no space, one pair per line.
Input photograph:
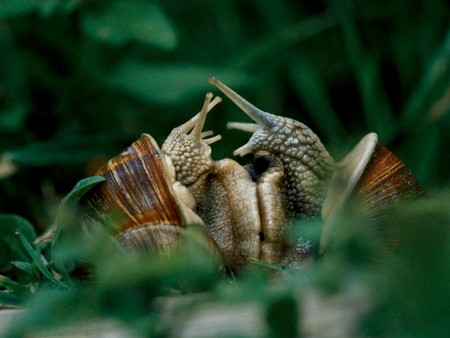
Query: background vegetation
[82,79]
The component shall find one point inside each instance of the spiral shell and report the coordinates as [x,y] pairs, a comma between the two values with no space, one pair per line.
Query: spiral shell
[370,176]
[137,198]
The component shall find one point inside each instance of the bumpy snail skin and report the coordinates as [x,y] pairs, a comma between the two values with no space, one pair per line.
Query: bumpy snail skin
[306,163]
[224,192]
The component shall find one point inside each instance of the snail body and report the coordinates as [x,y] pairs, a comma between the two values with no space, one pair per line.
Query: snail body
[246,212]
[224,192]
[141,199]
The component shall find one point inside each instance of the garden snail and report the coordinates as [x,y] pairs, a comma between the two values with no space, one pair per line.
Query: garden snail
[150,194]
[370,173]
[140,198]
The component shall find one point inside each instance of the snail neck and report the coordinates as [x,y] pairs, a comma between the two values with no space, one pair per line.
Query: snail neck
[305,186]
[307,165]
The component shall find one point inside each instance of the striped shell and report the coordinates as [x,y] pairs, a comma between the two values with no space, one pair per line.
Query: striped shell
[371,176]
[137,198]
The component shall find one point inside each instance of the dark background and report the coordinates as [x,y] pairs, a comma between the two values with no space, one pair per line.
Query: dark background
[81,79]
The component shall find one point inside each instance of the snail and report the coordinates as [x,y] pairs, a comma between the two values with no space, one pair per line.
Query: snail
[313,183]
[151,194]
[140,198]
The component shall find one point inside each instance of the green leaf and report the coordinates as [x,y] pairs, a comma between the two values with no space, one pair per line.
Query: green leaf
[169,84]
[278,267]
[38,261]
[24,266]
[81,188]
[122,21]
[68,203]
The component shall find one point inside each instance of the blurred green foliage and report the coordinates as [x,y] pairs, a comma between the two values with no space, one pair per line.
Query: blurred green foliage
[405,292]
[81,79]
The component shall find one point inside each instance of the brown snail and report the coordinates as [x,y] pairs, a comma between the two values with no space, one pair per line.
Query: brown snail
[246,210]
[140,198]
[314,184]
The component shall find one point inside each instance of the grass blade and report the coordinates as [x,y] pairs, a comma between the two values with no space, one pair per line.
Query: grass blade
[38,262]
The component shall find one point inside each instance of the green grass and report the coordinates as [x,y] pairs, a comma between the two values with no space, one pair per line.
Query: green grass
[80,277]
[82,79]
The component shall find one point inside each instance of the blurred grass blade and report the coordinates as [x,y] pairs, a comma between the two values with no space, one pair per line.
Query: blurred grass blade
[268,266]
[366,69]
[377,111]
[309,86]
[422,150]
[38,261]
[9,299]
[67,149]
[10,248]
[267,49]
[10,223]
[14,89]
[14,287]
[119,22]
[435,82]
[282,317]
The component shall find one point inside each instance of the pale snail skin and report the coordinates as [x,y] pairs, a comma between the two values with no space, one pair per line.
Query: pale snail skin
[224,192]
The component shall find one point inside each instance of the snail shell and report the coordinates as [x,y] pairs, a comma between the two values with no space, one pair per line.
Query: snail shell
[137,198]
[370,176]
[141,200]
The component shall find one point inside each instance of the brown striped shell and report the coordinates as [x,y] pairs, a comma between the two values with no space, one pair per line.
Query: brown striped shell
[139,202]
[371,176]
[137,198]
